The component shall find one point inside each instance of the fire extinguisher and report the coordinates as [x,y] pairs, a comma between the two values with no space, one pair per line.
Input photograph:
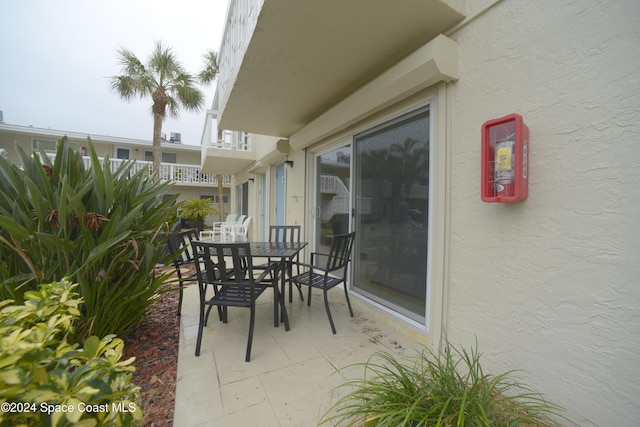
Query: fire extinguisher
[505,167]
[504,157]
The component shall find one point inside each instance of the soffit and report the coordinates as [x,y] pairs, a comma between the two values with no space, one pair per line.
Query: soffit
[305,56]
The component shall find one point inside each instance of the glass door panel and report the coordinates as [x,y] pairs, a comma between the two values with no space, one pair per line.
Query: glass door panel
[333,195]
[391,211]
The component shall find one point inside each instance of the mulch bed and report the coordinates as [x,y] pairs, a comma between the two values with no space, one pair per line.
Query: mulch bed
[154,344]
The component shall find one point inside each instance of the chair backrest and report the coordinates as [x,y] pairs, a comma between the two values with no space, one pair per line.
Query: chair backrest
[231,218]
[284,233]
[224,263]
[245,223]
[340,252]
[179,245]
[241,219]
[244,229]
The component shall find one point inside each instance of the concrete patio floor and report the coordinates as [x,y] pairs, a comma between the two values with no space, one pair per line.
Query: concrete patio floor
[292,377]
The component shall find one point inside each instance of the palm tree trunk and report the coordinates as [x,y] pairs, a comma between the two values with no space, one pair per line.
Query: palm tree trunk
[220,198]
[220,191]
[157,148]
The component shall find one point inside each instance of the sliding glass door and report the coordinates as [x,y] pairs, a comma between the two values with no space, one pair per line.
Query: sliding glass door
[391,213]
[332,196]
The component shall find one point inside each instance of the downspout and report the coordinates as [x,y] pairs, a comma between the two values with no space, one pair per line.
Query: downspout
[448,97]
[307,207]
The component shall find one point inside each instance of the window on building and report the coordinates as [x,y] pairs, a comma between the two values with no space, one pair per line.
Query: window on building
[123,153]
[166,157]
[215,199]
[48,145]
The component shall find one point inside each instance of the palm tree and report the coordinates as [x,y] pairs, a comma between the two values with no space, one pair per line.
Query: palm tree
[167,83]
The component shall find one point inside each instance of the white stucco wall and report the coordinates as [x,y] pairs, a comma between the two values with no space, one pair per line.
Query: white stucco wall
[551,285]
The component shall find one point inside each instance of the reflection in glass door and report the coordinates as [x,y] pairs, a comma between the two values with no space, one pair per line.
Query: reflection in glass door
[391,212]
[333,194]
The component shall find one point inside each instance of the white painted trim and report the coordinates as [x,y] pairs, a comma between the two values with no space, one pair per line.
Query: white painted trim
[434,62]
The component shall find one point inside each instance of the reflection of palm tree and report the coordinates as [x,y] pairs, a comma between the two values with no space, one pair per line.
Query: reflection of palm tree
[412,158]
[374,163]
[399,166]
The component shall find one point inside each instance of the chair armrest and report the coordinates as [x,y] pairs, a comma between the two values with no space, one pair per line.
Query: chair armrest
[311,265]
[273,266]
[302,264]
[315,259]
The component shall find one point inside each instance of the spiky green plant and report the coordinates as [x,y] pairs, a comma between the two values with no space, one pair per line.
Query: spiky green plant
[102,229]
[442,390]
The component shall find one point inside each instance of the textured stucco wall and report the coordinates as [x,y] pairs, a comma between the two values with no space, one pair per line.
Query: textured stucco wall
[551,285]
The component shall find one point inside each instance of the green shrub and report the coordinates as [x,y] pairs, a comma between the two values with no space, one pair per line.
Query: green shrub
[102,229]
[46,381]
[444,390]
[195,210]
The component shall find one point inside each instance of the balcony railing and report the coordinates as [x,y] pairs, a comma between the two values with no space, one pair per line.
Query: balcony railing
[241,21]
[177,173]
[231,145]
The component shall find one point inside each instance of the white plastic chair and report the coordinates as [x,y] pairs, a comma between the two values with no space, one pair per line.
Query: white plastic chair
[235,232]
[217,227]
[242,231]
[228,232]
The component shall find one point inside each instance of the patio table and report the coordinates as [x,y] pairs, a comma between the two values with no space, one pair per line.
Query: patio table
[285,251]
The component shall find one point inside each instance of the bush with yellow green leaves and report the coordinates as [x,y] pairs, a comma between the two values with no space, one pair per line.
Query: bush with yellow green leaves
[46,381]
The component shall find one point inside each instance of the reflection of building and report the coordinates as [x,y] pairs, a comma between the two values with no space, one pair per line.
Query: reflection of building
[306,81]
[334,181]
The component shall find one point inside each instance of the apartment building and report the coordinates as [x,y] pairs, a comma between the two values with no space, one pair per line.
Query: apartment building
[368,116]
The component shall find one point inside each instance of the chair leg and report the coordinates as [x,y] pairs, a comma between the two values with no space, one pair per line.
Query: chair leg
[291,291]
[180,283]
[346,294]
[251,324]
[276,304]
[290,272]
[206,318]
[326,306]
[200,327]
[283,308]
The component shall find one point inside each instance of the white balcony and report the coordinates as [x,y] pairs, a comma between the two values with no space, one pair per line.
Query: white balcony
[227,155]
[179,174]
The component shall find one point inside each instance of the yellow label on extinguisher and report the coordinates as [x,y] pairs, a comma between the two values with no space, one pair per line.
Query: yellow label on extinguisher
[503,158]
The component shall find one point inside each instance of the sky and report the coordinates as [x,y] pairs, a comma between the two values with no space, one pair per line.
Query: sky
[58,56]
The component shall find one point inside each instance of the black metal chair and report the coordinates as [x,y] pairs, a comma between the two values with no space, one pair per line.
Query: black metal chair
[320,274]
[233,285]
[179,247]
[286,233]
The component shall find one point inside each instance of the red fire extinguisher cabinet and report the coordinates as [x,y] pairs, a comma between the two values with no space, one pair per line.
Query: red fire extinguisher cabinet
[505,159]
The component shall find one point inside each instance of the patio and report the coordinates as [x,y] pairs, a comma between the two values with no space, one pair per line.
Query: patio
[292,376]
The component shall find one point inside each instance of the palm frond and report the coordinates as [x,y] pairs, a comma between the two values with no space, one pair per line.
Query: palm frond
[164,64]
[130,63]
[210,70]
